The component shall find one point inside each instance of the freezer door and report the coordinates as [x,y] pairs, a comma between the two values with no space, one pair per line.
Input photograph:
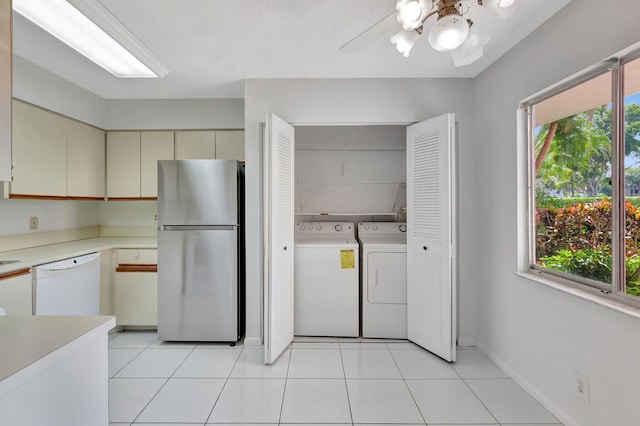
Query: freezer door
[198,192]
[198,285]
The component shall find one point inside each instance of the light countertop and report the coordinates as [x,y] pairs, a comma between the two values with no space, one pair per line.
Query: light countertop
[33,256]
[24,340]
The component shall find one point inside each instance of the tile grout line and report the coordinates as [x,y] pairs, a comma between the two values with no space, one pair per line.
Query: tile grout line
[481,401]
[286,380]
[344,373]
[224,386]
[163,385]
[407,386]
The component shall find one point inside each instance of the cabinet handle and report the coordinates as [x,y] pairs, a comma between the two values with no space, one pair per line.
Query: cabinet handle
[16,273]
[135,267]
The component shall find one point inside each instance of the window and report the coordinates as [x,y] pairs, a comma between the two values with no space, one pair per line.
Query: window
[584,179]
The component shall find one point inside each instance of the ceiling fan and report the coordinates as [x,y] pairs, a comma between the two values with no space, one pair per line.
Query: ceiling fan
[451,30]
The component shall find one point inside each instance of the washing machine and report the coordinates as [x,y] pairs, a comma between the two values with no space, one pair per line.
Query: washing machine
[326,282]
[383,251]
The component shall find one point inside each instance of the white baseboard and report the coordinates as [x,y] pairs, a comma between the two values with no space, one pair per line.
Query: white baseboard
[252,342]
[465,342]
[532,390]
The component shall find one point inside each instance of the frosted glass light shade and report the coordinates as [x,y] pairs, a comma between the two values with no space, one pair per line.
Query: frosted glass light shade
[503,8]
[448,33]
[404,41]
[473,47]
[410,12]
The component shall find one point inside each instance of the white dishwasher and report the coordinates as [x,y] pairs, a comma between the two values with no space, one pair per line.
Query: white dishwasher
[68,287]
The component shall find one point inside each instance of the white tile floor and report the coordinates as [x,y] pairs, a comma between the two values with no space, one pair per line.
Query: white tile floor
[316,381]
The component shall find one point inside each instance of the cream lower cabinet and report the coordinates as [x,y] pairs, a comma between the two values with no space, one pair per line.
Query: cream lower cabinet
[15,292]
[136,288]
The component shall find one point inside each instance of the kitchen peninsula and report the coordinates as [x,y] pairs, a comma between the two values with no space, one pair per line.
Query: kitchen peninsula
[54,370]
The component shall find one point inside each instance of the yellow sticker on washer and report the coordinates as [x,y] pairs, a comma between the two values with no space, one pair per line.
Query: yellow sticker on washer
[347,259]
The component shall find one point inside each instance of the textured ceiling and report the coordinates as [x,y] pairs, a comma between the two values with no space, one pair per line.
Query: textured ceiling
[211,46]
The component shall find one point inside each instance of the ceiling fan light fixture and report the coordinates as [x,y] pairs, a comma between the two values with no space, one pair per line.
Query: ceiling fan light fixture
[505,3]
[404,41]
[448,33]
[410,13]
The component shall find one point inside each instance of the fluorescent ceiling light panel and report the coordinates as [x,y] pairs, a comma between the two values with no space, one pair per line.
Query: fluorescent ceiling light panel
[68,24]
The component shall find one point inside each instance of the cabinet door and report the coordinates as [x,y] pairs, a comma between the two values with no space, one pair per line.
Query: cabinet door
[194,144]
[123,164]
[230,145]
[85,161]
[154,146]
[15,293]
[5,90]
[136,298]
[39,152]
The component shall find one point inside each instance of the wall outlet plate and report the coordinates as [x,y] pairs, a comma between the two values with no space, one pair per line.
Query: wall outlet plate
[581,386]
[33,222]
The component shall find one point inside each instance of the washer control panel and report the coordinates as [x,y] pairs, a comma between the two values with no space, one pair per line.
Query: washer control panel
[325,228]
[382,228]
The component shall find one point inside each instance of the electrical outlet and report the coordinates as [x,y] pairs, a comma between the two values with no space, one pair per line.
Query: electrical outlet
[581,386]
[155,217]
[33,222]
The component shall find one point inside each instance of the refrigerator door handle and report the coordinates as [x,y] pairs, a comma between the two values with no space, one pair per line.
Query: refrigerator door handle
[197,227]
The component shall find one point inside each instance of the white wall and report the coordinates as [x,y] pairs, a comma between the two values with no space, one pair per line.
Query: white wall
[333,101]
[170,114]
[52,215]
[539,334]
[43,88]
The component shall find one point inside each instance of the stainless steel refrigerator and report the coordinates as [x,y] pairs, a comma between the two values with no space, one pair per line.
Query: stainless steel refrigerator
[200,250]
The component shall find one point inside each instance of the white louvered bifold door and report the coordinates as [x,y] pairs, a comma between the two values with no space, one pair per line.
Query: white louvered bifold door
[279,242]
[431,289]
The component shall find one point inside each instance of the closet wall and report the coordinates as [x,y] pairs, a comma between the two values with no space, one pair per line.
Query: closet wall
[350,173]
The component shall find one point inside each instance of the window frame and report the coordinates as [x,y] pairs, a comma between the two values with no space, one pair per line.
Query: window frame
[617,289]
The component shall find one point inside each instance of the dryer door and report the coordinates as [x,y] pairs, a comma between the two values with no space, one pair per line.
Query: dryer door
[387,277]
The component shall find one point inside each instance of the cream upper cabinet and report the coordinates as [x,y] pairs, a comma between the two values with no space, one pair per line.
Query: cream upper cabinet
[5,90]
[39,152]
[230,144]
[132,162]
[154,146]
[85,161]
[194,144]
[123,164]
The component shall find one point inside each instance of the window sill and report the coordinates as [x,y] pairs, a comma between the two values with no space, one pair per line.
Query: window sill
[593,295]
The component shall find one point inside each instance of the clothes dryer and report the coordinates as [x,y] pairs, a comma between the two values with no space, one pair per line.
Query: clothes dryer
[383,250]
[326,286]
